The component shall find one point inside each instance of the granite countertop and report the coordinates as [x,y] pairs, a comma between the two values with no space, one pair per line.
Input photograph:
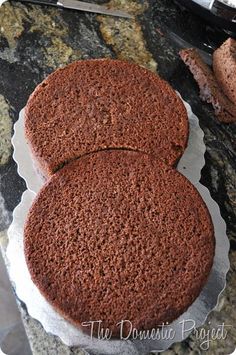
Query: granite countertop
[35,40]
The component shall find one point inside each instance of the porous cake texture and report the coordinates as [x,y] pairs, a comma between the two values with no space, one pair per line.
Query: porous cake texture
[119,235]
[92,105]
[224,66]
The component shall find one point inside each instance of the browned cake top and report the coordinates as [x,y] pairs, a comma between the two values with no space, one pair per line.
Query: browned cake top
[118,235]
[224,66]
[92,105]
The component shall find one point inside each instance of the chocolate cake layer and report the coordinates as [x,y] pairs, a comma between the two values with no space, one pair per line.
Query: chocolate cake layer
[119,235]
[93,105]
[224,66]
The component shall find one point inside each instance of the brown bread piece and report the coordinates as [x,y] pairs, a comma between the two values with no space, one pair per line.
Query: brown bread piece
[210,90]
[119,235]
[224,67]
[93,105]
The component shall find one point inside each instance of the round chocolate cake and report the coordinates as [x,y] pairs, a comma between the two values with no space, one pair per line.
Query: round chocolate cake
[93,105]
[118,235]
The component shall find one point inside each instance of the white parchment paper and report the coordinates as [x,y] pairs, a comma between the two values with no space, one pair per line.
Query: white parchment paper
[189,165]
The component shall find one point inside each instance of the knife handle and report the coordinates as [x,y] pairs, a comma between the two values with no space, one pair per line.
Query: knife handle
[223,10]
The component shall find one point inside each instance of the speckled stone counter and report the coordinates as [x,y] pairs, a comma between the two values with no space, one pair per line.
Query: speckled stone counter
[36,40]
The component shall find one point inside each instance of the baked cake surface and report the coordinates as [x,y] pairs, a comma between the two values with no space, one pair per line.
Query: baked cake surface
[224,66]
[92,105]
[119,235]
